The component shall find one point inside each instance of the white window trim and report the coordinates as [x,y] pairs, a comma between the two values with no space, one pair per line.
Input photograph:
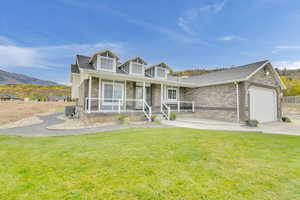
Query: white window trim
[99,64]
[130,69]
[113,83]
[155,73]
[177,94]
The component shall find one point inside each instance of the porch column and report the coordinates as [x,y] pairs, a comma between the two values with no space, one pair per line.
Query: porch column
[161,95]
[125,95]
[90,94]
[144,94]
[99,94]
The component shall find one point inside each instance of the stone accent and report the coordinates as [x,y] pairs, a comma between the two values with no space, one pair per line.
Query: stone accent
[212,96]
[110,117]
[223,115]
[262,77]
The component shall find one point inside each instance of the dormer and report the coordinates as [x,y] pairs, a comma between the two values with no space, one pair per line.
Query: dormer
[104,61]
[134,66]
[159,71]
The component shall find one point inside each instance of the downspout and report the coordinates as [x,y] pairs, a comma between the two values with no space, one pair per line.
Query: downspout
[237,102]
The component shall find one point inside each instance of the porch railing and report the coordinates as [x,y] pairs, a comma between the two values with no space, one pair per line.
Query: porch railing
[166,111]
[181,106]
[94,105]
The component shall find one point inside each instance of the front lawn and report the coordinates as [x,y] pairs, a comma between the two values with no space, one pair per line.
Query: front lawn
[173,163]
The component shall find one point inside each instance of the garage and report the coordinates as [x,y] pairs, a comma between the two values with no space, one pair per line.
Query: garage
[263,104]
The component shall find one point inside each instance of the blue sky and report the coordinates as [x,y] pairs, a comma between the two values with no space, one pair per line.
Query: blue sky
[41,38]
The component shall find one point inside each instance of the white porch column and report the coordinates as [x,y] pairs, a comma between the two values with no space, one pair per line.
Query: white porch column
[161,95]
[90,93]
[125,95]
[99,94]
[144,94]
[237,102]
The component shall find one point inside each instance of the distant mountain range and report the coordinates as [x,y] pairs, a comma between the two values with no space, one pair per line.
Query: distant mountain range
[14,78]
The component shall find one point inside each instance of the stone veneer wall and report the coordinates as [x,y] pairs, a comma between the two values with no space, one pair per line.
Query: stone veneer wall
[214,102]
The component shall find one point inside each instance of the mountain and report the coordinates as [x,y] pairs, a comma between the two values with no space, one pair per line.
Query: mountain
[14,78]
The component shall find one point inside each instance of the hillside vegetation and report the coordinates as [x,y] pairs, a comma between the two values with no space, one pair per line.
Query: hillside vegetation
[34,91]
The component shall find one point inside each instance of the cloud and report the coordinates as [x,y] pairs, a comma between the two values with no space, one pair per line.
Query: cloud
[49,56]
[187,20]
[230,38]
[287,64]
[5,41]
[288,47]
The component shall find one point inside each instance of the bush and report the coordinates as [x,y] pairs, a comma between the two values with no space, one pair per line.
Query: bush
[252,123]
[172,116]
[153,117]
[286,119]
[123,119]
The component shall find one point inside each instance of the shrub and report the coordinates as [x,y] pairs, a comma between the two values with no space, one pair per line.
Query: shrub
[123,119]
[172,116]
[286,119]
[252,123]
[153,117]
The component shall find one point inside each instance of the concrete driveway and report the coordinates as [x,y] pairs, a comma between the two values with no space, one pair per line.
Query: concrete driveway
[271,128]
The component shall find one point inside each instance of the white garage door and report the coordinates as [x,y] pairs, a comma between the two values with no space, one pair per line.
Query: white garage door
[263,104]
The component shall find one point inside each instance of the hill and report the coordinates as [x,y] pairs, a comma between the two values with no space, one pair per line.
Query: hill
[34,91]
[14,78]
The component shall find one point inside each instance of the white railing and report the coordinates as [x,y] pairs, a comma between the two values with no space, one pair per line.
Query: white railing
[94,105]
[291,99]
[180,106]
[147,110]
[166,111]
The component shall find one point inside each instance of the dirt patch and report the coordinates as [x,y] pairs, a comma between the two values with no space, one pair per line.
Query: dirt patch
[23,122]
[12,111]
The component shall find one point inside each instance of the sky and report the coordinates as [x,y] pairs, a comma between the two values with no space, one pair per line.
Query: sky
[41,38]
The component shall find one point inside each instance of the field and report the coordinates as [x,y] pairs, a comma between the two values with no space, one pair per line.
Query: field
[172,163]
[11,111]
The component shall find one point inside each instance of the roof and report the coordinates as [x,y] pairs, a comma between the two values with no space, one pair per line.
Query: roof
[74,69]
[83,62]
[108,52]
[135,59]
[162,64]
[239,73]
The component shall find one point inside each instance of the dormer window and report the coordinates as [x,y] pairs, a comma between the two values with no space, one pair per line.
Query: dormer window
[104,60]
[137,68]
[106,63]
[160,72]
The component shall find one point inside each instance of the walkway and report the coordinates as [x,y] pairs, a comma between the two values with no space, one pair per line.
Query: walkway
[271,128]
[41,130]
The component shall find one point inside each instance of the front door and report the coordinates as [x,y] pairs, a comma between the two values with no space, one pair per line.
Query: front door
[139,96]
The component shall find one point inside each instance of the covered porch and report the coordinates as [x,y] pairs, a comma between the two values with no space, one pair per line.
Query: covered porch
[117,95]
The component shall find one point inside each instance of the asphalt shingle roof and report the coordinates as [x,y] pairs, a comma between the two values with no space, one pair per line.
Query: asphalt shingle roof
[74,69]
[83,62]
[227,75]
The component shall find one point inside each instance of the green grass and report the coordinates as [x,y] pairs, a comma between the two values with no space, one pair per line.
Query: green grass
[171,163]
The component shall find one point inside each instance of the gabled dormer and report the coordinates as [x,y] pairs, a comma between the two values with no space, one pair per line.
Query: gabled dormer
[104,61]
[159,71]
[135,66]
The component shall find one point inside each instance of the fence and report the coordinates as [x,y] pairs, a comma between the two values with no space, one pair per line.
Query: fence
[291,99]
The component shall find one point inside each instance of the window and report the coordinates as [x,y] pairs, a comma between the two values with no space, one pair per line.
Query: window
[107,63]
[137,68]
[161,72]
[172,94]
[112,92]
